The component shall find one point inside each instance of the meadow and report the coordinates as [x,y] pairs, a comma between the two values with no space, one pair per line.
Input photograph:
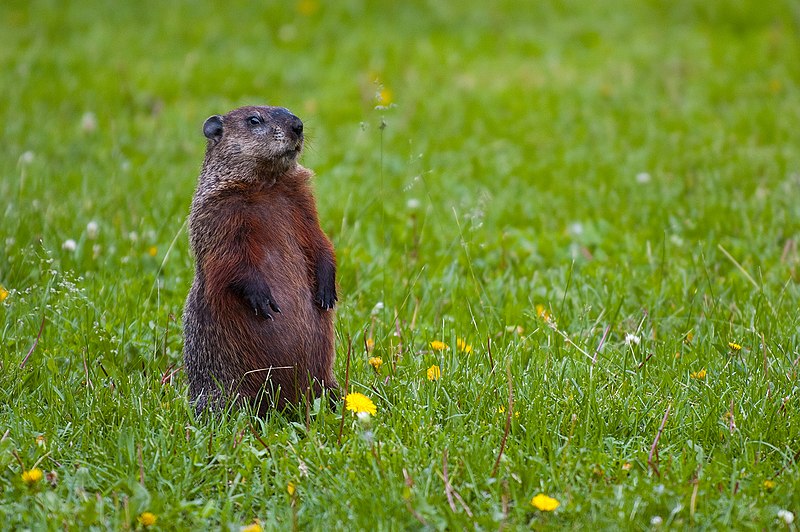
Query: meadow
[568,230]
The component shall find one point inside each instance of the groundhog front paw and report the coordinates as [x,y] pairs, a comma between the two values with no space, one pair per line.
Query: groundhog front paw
[256,295]
[326,297]
[262,304]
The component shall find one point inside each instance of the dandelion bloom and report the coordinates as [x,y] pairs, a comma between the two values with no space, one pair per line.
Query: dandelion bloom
[376,363]
[307,8]
[358,402]
[436,345]
[148,519]
[463,346]
[734,346]
[544,503]
[384,96]
[3,293]
[769,485]
[255,526]
[541,311]
[153,251]
[370,344]
[290,488]
[434,372]
[32,476]
[700,375]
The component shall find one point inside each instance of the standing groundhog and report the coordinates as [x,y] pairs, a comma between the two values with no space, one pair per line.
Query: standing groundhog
[258,322]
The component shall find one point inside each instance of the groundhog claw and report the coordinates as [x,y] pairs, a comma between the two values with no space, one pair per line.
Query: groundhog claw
[262,306]
[326,299]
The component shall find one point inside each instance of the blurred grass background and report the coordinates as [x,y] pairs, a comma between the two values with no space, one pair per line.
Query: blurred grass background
[625,165]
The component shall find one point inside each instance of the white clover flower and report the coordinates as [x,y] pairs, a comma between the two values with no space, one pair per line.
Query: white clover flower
[27,157]
[88,122]
[656,520]
[787,516]
[377,308]
[413,204]
[643,177]
[92,229]
[632,339]
[69,245]
[287,32]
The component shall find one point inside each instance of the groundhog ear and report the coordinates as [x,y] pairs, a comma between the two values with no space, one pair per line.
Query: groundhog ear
[212,129]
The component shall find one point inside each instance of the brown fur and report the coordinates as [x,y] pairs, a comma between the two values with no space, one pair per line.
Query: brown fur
[258,322]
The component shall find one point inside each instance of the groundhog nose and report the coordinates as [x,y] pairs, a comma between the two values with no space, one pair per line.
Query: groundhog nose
[289,120]
[296,125]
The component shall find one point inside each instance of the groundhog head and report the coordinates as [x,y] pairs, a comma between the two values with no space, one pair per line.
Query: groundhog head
[271,138]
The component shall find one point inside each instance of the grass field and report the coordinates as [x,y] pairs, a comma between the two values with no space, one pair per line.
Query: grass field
[600,199]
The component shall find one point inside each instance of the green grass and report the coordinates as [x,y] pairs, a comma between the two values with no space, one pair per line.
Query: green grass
[632,167]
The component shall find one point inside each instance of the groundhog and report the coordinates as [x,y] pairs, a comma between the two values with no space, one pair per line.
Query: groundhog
[258,321]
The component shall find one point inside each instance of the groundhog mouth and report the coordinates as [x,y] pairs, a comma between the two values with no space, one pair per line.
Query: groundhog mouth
[294,151]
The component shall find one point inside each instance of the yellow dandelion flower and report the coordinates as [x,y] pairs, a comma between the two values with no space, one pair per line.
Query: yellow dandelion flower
[384,97]
[370,344]
[358,402]
[542,312]
[255,526]
[627,466]
[32,476]
[436,345]
[290,488]
[689,337]
[700,375]
[153,251]
[769,485]
[463,346]
[434,373]
[544,503]
[148,519]
[376,363]
[307,7]
[734,346]
[3,293]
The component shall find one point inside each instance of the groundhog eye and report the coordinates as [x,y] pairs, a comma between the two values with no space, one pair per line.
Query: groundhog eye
[254,120]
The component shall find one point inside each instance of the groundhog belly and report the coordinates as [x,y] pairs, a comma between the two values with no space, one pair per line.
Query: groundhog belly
[296,345]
